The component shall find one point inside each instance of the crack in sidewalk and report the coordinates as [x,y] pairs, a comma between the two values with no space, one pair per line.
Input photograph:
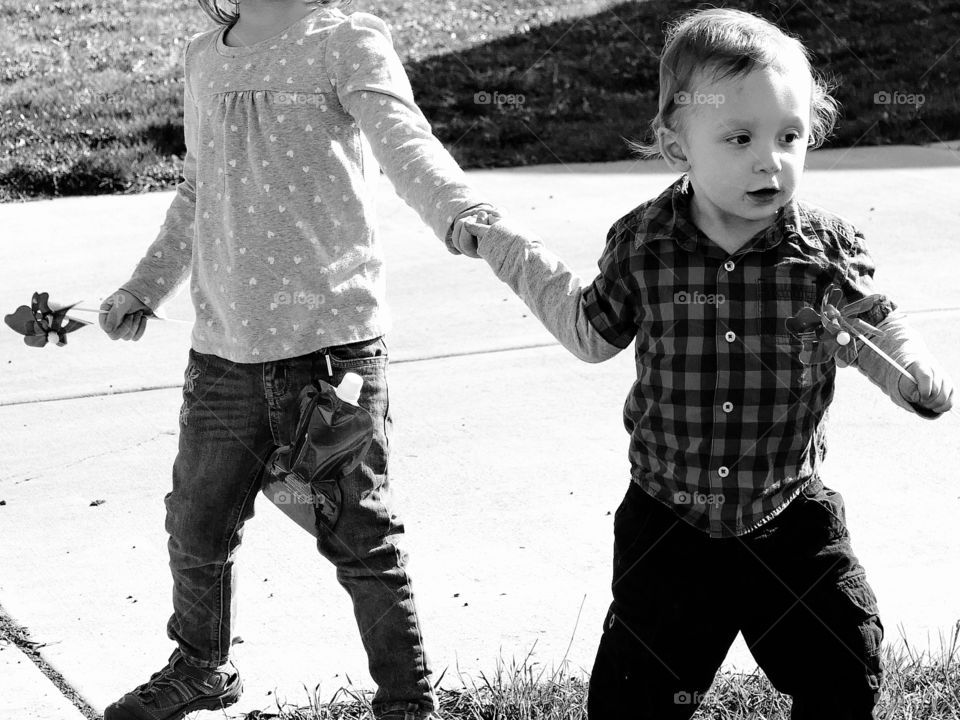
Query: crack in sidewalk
[404,361]
[176,386]
[19,636]
[34,474]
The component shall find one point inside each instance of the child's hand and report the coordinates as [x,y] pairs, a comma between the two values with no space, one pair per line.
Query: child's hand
[123,316]
[471,227]
[463,238]
[933,390]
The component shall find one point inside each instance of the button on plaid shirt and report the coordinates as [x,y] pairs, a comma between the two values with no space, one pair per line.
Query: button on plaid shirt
[726,423]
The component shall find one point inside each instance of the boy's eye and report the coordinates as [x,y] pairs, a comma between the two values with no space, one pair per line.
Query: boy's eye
[741,139]
[791,137]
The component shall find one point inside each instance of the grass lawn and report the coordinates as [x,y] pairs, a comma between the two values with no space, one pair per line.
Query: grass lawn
[916,686]
[90,90]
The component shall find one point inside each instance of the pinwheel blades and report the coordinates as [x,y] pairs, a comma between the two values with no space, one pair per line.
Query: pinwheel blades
[39,324]
[22,320]
[803,321]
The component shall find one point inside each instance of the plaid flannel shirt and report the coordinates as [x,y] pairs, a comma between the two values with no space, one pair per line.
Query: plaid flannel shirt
[726,423]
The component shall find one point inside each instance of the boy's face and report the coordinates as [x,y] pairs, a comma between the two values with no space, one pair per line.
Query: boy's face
[743,141]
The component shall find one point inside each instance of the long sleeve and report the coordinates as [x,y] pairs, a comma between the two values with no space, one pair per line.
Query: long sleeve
[898,340]
[373,87]
[901,342]
[552,292]
[167,261]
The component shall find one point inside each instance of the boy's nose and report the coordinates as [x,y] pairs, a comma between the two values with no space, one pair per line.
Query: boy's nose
[768,162]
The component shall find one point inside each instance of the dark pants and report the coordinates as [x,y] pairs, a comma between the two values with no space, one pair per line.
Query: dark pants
[794,589]
[233,417]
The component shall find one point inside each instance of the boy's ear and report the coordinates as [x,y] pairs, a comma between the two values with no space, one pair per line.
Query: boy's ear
[671,149]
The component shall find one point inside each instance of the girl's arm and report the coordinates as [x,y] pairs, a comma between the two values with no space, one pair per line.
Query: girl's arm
[167,261]
[373,87]
[594,322]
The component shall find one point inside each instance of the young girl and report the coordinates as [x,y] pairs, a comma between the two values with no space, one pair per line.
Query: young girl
[727,526]
[274,224]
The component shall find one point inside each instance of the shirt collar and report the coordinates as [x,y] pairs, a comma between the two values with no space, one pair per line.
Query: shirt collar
[669,218]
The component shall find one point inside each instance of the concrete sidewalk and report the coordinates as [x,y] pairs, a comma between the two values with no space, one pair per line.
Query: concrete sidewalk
[27,694]
[508,486]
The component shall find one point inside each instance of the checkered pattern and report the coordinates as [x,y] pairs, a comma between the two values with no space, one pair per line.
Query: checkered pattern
[726,423]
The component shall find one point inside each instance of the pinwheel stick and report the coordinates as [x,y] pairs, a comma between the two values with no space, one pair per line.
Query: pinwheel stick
[878,351]
[150,316]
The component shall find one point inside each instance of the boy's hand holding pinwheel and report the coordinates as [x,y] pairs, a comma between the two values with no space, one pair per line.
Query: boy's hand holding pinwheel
[833,332]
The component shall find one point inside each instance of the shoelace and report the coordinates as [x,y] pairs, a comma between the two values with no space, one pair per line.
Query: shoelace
[160,681]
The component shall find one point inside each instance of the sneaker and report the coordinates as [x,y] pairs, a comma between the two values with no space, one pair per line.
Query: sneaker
[176,690]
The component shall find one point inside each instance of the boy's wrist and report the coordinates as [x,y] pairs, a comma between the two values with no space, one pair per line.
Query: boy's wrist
[906,388]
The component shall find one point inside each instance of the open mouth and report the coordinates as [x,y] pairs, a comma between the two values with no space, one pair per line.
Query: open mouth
[764,193]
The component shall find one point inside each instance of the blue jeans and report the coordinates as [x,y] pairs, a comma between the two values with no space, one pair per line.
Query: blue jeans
[233,417]
[793,587]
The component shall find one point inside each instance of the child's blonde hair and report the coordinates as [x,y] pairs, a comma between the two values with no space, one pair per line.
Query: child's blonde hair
[224,17]
[722,43]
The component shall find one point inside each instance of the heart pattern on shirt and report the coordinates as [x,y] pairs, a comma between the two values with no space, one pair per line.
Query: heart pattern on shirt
[338,129]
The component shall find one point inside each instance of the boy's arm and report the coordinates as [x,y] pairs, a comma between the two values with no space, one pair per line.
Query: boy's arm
[929,396]
[901,343]
[373,87]
[575,315]
[167,261]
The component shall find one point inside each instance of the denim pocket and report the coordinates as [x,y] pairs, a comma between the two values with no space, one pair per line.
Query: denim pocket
[369,359]
[358,354]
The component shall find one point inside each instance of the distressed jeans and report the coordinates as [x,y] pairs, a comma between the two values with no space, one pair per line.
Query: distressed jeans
[233,417]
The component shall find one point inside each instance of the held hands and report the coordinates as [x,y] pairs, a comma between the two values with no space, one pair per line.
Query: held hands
[123,316]
[469,228]
[932,394]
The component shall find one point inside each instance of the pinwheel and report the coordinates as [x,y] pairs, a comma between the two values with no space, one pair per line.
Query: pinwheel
[828,333]
[39,323]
